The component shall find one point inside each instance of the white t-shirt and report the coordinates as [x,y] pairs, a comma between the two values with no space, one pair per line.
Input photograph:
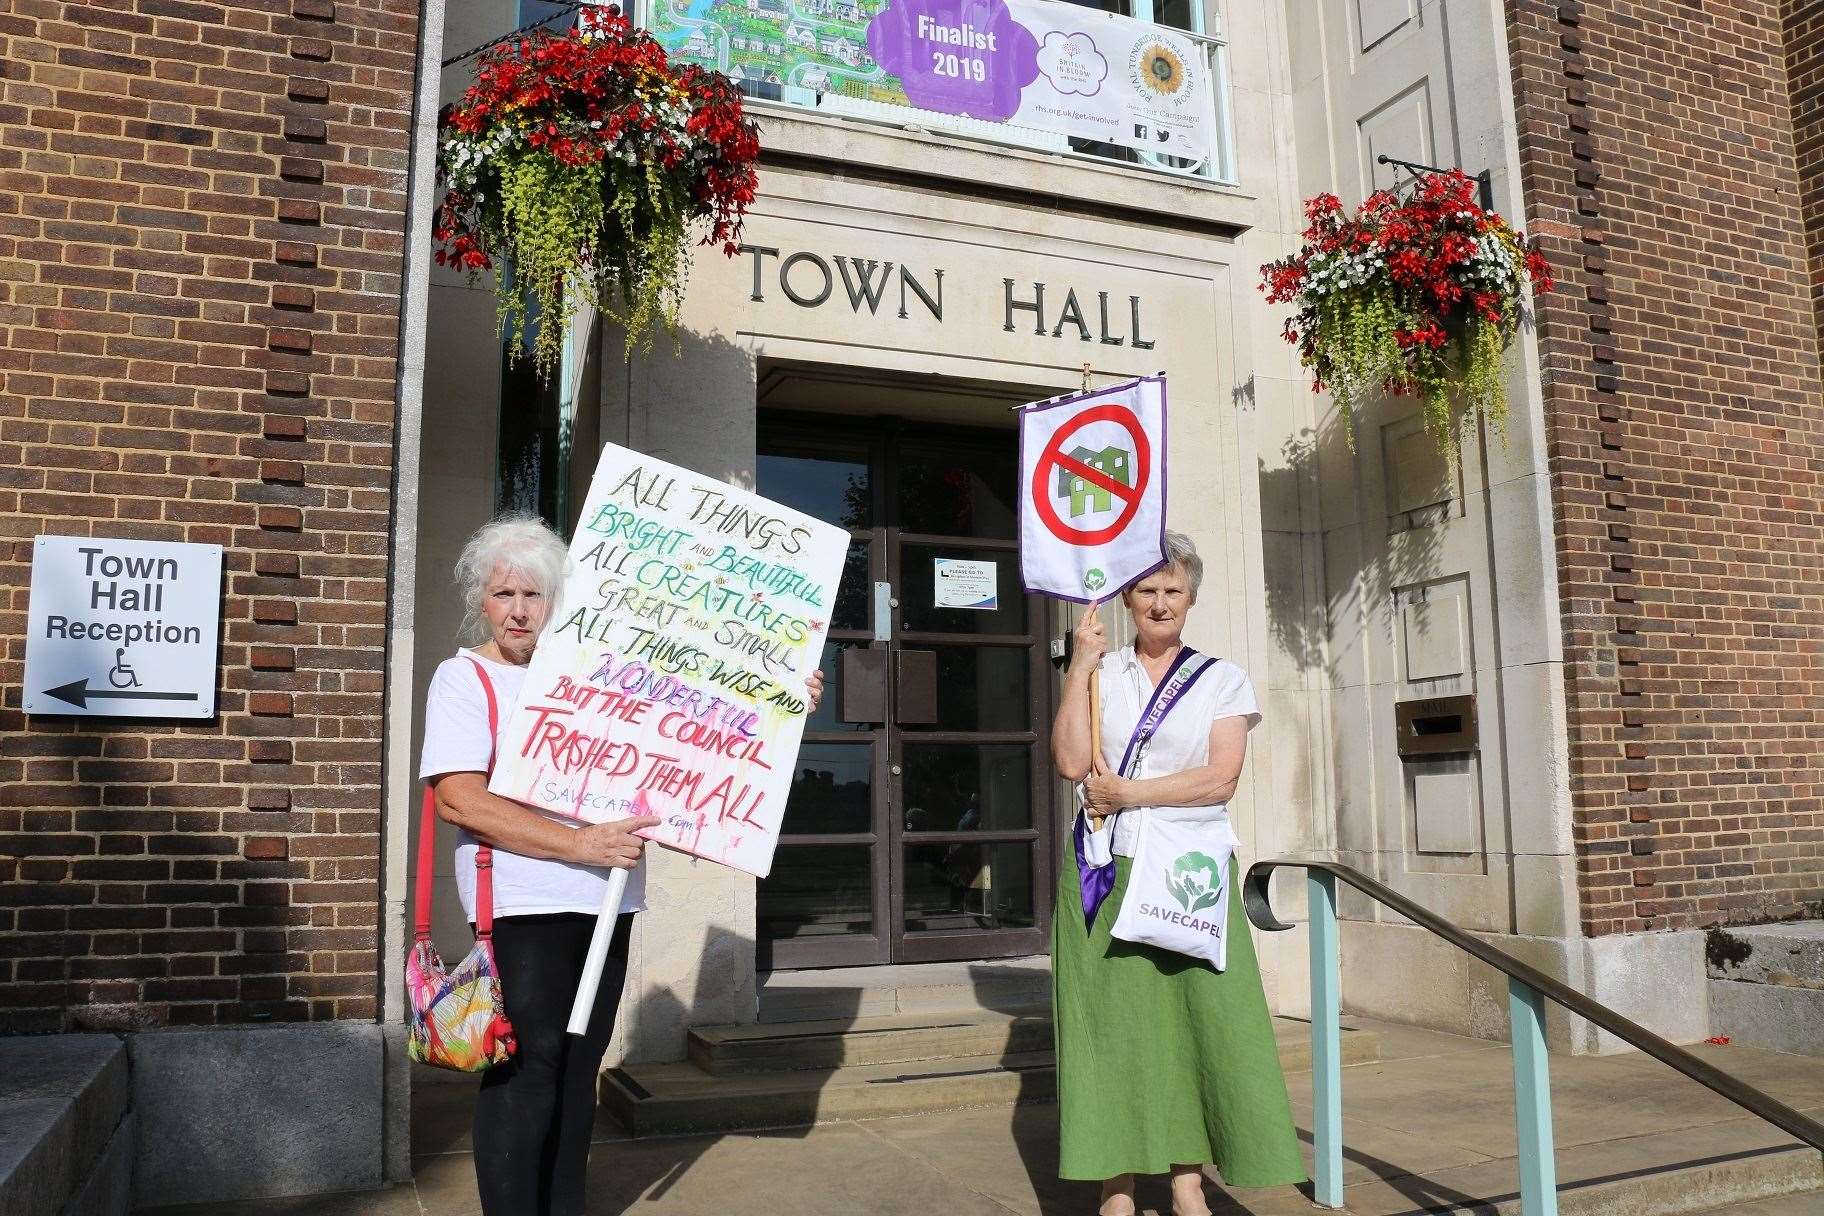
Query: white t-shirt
[456,741]
[1181,742]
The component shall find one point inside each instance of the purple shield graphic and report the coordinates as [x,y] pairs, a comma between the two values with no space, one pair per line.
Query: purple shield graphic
[966,57]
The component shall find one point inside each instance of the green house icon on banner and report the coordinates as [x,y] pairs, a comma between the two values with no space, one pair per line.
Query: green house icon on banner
[1086,495]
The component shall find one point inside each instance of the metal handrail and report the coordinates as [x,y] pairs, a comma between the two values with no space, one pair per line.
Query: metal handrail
[1526,985]
[1750,1099]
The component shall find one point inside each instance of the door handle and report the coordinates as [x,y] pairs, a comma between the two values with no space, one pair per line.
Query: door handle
[883,612]
[915,687]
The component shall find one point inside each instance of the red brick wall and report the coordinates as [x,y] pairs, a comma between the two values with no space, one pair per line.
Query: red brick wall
[1686,443]
[201,231]
[1804,37]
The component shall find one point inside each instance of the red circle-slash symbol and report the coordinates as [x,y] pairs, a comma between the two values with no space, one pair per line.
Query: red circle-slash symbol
[1053,458]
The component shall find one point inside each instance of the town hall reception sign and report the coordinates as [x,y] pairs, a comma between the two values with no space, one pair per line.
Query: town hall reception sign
[1050,67]
[122,628]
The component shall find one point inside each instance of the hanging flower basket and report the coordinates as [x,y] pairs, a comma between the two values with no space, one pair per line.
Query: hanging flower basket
[1412,297]
[577,167]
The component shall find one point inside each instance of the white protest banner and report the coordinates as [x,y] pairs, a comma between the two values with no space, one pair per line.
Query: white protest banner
[1092,490]
[674,669]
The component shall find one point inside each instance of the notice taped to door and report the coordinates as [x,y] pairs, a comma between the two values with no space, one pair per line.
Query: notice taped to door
[672,672]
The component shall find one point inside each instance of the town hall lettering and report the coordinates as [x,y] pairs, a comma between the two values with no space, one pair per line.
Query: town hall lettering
[809,280]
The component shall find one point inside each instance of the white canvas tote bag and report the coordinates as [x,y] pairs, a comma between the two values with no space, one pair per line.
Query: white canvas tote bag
[1178,890]
[1096,850]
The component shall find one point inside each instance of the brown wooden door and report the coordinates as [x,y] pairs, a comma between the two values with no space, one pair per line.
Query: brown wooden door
[920,823]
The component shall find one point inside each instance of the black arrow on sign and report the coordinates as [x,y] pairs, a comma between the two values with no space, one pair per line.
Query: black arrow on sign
[78,693]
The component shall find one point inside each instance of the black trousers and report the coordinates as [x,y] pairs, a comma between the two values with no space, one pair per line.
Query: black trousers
[535,1113]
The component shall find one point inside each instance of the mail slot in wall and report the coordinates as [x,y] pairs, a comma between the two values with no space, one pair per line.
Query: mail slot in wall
[1438,726]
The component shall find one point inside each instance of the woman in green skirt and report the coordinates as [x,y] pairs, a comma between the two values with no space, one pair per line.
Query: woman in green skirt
[1165,1064]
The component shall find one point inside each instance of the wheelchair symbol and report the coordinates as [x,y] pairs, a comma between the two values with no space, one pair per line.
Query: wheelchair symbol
[122,675]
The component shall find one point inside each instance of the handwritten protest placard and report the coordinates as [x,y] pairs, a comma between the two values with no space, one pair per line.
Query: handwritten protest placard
[672,673]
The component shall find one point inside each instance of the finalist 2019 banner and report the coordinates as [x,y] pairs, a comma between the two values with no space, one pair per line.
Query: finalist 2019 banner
[1032,63]
[671,681]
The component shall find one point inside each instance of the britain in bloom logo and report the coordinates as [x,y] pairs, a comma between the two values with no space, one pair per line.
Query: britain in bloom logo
[1193,882]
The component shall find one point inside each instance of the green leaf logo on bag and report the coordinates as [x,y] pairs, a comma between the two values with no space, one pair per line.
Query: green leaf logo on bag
[1193,883]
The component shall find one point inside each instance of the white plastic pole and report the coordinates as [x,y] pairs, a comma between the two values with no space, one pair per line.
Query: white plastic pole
[598,952]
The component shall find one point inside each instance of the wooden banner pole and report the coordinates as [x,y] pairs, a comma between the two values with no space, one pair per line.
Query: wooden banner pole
[1095,732]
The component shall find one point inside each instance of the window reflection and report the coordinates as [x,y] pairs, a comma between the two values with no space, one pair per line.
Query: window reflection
[967,787]
[831,488]
[816,891]
[832,789]
[968,886]
[981,688]
[959,494]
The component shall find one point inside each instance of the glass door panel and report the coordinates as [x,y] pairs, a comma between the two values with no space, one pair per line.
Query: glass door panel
[957,492]
[967,787]
[832,790]
[825,902]
[968,887]
[919,823]
[924,610]
[818,891]
[981,688]
[835,487]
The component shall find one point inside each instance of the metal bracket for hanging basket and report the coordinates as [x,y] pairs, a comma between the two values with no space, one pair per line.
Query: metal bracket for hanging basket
[1485,180]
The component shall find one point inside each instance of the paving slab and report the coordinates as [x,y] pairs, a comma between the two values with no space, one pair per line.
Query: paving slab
[841,1170]
[1430,1131]
[393,1201]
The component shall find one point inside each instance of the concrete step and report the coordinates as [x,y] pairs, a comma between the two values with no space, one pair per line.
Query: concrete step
[1808,1204]
[1780,1183]
[1013,985]
[670,1099]
[849,1042]
[66,1137]
[1767,985]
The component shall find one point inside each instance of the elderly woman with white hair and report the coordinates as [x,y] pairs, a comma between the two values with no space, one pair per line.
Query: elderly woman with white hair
[1165,1064]
[534,1114]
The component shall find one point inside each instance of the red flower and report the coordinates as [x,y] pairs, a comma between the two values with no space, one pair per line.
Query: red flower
[1424,250]
[554,88]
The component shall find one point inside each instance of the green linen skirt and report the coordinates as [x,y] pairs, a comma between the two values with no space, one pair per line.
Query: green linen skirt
[1162,1060]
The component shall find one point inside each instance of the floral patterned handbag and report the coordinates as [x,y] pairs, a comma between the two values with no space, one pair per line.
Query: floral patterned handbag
[458,1019]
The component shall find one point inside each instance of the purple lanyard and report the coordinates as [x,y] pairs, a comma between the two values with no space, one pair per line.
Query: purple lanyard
[1174,684]
[1097,881]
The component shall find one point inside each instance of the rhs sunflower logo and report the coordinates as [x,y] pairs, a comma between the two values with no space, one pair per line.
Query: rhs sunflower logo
[1160,69]
[1194,881]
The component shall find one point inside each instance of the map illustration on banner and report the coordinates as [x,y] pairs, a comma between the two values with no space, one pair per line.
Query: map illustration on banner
[673,671]
[1039,64]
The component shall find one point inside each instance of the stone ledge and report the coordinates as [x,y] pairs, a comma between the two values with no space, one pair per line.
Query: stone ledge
[63,1096]
[1790,954]
[1773,1016]
[251,1112]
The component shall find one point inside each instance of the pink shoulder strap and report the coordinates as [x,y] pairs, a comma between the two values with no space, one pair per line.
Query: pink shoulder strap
[427,842]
